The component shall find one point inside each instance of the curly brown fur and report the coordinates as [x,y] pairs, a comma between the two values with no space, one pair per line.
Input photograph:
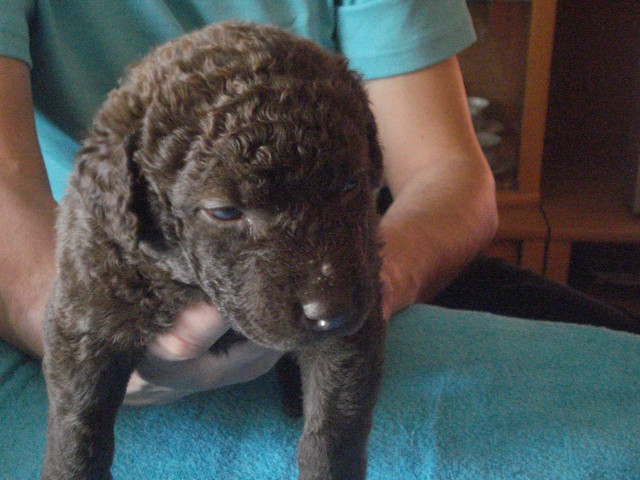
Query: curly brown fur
[233,115]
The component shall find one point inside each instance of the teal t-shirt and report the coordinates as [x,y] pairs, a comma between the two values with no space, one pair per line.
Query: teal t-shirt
[78,49]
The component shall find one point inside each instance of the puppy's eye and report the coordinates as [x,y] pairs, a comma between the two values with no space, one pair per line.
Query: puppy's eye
[224,214]
[350,184]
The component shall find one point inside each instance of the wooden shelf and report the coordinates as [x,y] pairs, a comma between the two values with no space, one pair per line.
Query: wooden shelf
[522,236]
[590,201]
[523,222]
[514,198]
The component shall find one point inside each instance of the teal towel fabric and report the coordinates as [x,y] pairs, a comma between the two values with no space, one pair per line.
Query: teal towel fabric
[465,396]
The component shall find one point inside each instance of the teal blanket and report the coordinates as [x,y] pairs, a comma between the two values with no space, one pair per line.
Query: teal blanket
[465,396]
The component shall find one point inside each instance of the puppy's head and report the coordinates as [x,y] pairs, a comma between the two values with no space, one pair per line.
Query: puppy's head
[249,159]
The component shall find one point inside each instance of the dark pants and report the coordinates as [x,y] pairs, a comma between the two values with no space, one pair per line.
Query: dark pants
[492,285]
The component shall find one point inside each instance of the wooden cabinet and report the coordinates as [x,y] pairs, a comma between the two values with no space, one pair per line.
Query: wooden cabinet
[563,81]
[509,66]
[592,148]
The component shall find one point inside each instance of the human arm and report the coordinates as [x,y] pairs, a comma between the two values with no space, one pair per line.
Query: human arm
[26,214]
[444,211]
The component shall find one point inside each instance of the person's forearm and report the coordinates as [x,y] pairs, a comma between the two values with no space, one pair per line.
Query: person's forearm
[26,261]
[437,229]
[26,214]
[444,210]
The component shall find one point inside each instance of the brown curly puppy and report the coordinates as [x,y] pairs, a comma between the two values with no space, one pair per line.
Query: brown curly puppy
[233,165]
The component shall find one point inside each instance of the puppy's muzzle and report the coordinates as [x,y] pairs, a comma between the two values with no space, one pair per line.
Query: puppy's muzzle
[332,301]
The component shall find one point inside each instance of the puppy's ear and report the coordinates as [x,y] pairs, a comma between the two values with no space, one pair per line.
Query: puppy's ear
[375,151]
[145,204]
[115,192]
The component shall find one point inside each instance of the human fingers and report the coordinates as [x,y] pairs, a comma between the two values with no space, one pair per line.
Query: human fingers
[178,362]
[196,328]
[159,381]
[241,363]
[141,392]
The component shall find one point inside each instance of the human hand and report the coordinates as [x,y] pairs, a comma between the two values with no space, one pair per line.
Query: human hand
[398,287]
[178,362]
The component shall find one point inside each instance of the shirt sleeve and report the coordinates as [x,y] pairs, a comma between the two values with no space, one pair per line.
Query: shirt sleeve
[14,28]
[382,38]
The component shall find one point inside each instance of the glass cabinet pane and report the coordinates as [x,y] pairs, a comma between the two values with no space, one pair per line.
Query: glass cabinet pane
[494,70]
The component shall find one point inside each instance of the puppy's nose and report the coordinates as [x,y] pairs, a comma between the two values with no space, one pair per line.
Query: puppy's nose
[328,324]
[321,320]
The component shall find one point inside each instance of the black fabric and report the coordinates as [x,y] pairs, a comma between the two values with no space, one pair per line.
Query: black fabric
[493,285]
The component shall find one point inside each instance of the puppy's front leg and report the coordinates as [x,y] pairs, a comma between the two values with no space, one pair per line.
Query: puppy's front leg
[86,382]
[340,381]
